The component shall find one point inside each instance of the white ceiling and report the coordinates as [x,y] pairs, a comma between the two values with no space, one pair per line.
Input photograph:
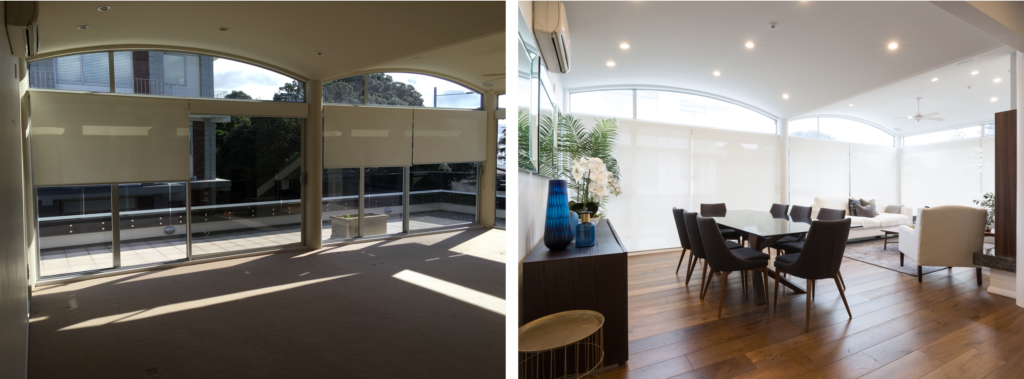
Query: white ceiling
[950,95]
[821,53]
[353,36]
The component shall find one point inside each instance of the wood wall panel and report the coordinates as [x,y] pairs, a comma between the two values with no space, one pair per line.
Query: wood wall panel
[1006,184]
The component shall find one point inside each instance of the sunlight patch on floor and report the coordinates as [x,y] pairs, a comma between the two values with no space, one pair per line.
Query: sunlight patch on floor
[455,291]
[489,245]
[193,304]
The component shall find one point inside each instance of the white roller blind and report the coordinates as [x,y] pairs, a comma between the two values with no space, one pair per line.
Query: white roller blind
[737,168]
[449,136]
[654,162]
[98,139]
[367,137]
[248,108]
[873,173]
[988,164]
[945,173]
[818,168]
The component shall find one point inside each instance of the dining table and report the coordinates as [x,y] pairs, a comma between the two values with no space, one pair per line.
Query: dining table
[761,229]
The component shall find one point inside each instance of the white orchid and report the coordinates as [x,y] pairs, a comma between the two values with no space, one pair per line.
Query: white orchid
[594,179]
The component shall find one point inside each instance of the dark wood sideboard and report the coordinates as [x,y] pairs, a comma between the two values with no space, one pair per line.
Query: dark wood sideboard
[591,278]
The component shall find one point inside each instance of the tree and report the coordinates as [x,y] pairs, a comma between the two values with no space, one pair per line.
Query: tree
[383,90]
[238,95]
[501,147]
[294,92]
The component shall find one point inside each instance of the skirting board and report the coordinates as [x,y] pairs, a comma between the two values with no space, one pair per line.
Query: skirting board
[1002,283]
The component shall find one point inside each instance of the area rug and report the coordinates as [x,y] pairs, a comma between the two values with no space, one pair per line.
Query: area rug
[871,252]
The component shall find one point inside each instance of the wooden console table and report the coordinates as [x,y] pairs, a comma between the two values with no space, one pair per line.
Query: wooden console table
[590,278]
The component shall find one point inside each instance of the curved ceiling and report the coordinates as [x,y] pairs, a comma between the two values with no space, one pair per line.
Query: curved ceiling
[354,36]
[820,53]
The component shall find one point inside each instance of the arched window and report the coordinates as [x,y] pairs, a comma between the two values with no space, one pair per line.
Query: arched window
[840,129]
[401,89]
[164,73]
[671,107]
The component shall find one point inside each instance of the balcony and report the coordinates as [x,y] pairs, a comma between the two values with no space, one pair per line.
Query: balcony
[49,80]
[81,243]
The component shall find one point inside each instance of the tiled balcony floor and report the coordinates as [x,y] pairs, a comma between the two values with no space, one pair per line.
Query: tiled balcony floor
[79,259]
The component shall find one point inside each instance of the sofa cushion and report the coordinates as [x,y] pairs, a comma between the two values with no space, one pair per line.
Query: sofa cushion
[866,202]
[881,220]
[865,211]
[893,208]
[852,209]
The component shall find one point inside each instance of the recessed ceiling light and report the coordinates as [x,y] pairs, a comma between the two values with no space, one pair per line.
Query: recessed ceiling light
[320,53]
[624,46]
[997,80]
[893,45]
[103,8]
[994,99]
[750,45]
[785,96]
[83,27]
[910,117]
[488,84]
[717,73]
[935,79]
[974,72]
[610,64]
[851,105]
[223,28]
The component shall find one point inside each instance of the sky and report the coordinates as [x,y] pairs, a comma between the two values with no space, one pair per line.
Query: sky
[259,83]
[262,84]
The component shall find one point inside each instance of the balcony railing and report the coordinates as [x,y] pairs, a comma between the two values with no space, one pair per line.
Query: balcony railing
[48,79]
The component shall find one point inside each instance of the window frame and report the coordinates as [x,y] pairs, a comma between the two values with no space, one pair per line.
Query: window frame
[983,132]
[685,91]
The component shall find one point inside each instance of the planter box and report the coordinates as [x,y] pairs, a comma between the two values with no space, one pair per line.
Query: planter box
[342,227]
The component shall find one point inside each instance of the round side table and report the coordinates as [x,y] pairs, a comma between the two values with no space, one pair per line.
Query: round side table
[568,344]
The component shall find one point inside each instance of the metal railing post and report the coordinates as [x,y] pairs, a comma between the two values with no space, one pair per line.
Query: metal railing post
[406,204]
[115,223]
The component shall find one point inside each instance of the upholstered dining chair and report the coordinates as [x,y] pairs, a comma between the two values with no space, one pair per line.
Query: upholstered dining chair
[820,259]
[779,210]
[725,260]
[798,214]
[684,240]
[697,249]
[719,210]
[947,236]
[824,214]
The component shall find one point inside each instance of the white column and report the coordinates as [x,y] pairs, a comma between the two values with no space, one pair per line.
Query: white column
[313,167]
[784,161]
[1020,176]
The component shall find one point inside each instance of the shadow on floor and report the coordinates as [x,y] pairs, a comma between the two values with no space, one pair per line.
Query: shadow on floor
[346,312]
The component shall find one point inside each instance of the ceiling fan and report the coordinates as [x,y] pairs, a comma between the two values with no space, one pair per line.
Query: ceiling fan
[920,116]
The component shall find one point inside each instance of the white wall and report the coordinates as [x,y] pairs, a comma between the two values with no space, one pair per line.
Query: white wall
[13,268]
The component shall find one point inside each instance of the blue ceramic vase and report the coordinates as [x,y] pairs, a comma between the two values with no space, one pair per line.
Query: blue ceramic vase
[574,220]
[558,232]
[585,232]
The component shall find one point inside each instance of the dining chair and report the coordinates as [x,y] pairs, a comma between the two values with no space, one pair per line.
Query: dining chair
[724,260]
[698,252]
[824,214]
[820,259]
[684,240]
[719,210]
[798,213]
[779,210]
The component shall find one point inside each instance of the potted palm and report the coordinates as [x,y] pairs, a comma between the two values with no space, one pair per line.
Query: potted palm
[988,201]
[585,160]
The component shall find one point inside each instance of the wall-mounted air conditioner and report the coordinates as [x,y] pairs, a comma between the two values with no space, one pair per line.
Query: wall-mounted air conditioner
[22,19]
[552,32]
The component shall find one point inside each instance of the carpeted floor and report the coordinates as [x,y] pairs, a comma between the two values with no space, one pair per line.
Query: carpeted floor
[871,252]
[428,306]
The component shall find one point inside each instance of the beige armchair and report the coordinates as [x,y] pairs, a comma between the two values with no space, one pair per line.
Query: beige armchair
[944,236]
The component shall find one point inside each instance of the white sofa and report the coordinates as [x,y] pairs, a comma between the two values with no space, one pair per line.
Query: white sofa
[870,226]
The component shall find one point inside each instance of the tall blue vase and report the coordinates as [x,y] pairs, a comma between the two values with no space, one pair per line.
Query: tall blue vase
[558,231]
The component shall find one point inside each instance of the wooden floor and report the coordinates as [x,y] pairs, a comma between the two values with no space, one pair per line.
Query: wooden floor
[946,327]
